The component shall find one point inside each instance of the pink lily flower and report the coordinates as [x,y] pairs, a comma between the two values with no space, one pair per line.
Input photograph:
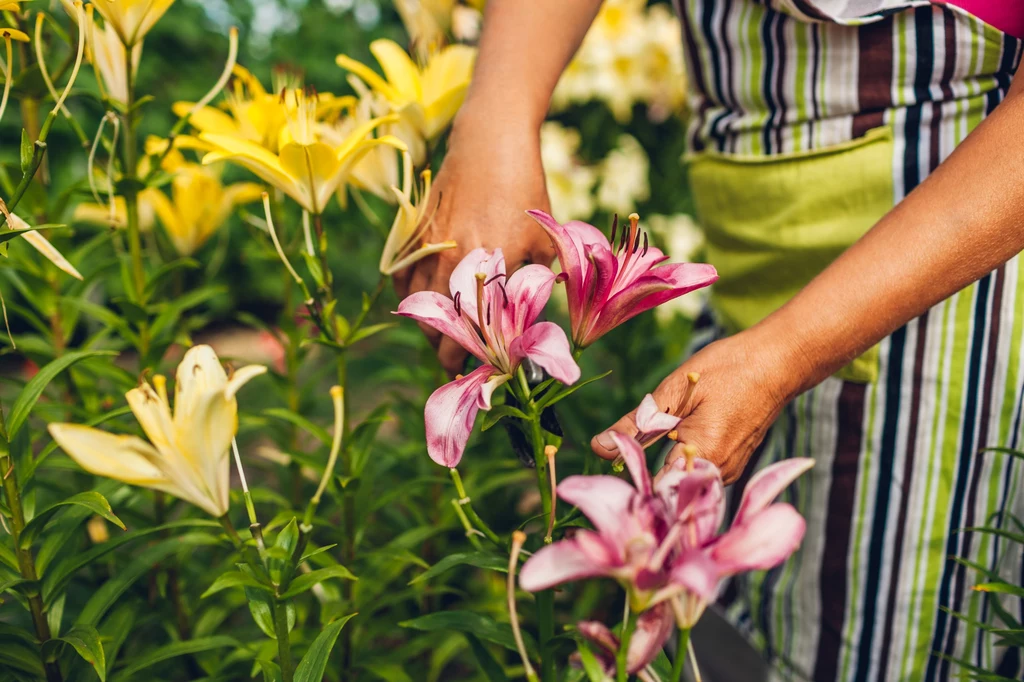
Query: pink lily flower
[606,285]
[652,629]
[494,317]
[660,539]
[632,524]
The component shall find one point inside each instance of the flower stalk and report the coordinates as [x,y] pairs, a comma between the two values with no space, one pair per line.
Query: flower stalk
[628,628]
[518,538]
[681,652]
[464,506]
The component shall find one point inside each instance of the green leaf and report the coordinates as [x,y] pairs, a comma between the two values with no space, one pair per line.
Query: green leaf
[1005,451]
[367,332]
[109,592]
[591,666]
[17,656]
[234,579]
[166,269]
[490,667]
[271,670]
[499,412]
[318,550]
[10,585]
[312,666]
[261,606]
[300,421]
[559,396]
[86,641]
[56,579]
[488,560]
[308,580]
[27,150]
[1001,588]
[313,265]
[33,389]
[473,623]
[169,651]
[91,500]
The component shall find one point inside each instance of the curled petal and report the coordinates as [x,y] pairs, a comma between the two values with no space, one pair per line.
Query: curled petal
[651,421]
[546,344]
[652,629]
[636,461]
[768,484]
[450,413]
[698,499]
[764,541]
[437,311]
[578,557]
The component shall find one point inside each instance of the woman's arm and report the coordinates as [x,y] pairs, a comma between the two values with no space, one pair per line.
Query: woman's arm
[962,222]
[492,172]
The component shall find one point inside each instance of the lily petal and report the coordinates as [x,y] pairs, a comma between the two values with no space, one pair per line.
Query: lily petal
[451,411]
[546,344]
[528,291]
[123,458]
[764,541]
[651,421]
[605,500]
[636,461]
[697,573]
[768,484]
[653,627]
[463,281]
[398,68]
[564,561]
[438,311]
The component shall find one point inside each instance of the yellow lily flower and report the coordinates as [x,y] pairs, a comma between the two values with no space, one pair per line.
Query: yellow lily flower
[106,53]
[306,168]
[199,205]
[10,5]
[429,96]
[132,19]
[403,247]
[187,453]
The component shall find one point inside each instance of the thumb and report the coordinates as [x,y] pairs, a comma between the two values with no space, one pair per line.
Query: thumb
[603,444]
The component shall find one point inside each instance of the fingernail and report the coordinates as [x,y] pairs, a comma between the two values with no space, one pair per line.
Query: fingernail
[606,441]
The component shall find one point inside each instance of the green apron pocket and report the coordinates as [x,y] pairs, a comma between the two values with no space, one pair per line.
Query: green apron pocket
[774,222]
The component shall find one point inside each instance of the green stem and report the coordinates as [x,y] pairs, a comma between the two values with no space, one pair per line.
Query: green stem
[465,507]
[367,307]
[131,200]
[349,513]
[284,645]
[26,562]
[621,674]
[680,661]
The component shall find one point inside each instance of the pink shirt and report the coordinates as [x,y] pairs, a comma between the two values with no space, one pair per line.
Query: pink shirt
[1006,15]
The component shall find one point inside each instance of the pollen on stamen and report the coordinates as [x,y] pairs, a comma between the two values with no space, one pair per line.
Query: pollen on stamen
[646,244]
[504,295]
[458,302]
[615,227]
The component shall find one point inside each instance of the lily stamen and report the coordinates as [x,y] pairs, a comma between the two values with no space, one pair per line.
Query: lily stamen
[518,538]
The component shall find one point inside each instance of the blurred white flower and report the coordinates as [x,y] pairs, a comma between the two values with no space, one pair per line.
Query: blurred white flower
[683,239]
[570,182]
[624,177]
[632,54]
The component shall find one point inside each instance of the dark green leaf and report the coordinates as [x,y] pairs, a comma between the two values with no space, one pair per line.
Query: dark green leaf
[308,580]
[300,421]
[86,641]
[559,396]
[499,412]
[473,623]
[234,579]
[33,389]
[488,560]
[169,651]
[367,332]
[271,671]
[166,269]
[312,666]
[490,667]
[91,500]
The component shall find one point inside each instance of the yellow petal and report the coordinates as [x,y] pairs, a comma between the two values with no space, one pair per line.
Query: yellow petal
[43,246]
[398,68]
[416,256]
[207,119]
[241,377]
[153,414]
[257,159]
[369,76]
[439,114]
[123,458]
[198,373]
[316,167]
[172,222]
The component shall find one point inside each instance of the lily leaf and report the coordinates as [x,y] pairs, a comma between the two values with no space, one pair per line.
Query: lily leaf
[92,500]
[312,666]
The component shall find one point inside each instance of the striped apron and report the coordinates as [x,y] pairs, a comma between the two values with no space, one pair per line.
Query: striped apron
[810,119]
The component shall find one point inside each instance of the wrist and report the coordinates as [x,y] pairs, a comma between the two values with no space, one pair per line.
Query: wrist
[790,365]
[500,113]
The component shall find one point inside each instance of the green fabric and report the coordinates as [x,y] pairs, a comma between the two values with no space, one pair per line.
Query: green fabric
[774,222]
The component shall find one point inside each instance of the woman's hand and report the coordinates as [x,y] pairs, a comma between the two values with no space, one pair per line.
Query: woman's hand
[490,177]
[744,382]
